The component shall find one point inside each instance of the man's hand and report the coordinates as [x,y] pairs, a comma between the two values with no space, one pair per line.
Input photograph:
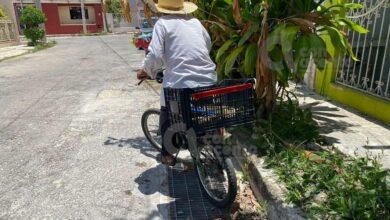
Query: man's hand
[141,74]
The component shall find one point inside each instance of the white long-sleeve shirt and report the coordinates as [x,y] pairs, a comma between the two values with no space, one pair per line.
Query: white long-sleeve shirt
[181,44]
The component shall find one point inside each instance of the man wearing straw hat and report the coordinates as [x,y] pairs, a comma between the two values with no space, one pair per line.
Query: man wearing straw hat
[181,44]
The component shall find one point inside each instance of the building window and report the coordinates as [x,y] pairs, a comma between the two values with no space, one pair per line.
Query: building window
[70,15]
[75,13]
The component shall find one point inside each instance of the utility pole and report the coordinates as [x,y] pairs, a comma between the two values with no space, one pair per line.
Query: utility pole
[105,25]
[83,16]
[38,5]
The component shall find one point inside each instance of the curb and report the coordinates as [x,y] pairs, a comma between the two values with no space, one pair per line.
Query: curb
[89,34]
[264,182]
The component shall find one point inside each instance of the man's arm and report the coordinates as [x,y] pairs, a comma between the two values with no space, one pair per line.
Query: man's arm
[154,59]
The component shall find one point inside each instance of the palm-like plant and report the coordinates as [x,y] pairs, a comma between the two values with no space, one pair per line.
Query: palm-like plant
[274,40]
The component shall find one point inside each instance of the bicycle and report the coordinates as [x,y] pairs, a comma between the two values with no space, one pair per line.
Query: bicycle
[197,117]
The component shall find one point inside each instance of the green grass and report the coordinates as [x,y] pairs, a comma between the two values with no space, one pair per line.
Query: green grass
[88,34]
[324,184]
[102,33]
[40,47]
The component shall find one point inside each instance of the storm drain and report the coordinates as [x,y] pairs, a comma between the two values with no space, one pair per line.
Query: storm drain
[189,202]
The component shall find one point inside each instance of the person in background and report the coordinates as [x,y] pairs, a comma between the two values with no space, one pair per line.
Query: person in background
[181,45]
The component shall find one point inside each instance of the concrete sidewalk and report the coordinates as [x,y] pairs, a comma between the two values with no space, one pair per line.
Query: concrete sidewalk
[12,51]
[349,131]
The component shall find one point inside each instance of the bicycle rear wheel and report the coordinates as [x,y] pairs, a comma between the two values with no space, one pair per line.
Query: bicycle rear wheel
[216,175]
[151,128]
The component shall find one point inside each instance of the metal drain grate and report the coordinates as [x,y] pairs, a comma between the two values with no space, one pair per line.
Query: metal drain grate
[189,202]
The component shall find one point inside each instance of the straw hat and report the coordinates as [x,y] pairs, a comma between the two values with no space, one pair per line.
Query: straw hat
[175,7]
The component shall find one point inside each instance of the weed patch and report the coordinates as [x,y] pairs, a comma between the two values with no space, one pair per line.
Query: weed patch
[326,185]
[44,46]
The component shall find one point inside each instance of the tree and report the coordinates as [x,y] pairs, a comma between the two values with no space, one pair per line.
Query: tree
[32,18]
[113,6]
[273,41]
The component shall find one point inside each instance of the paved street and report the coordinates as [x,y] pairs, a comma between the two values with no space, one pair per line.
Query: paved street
[71,145]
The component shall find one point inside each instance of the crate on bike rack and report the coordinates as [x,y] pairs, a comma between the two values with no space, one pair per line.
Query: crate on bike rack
[230,103]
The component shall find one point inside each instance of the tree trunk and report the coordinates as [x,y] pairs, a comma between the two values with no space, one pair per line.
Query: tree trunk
[104,13]
[266,81]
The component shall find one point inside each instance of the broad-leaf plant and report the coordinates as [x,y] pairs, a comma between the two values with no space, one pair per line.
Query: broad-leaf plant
[274,40]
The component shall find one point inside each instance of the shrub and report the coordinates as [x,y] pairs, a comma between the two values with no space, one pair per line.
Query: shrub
[272,40]
[34,34]
[113,6]
[32,18]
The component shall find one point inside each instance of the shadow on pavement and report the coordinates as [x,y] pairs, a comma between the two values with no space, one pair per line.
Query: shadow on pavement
[147,182]
[188,201]
[329,118]
[140,143]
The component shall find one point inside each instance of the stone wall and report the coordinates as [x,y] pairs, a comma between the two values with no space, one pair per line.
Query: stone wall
[12,28]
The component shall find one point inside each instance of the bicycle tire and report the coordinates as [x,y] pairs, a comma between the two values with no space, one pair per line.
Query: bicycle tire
[226,165]
[145,129]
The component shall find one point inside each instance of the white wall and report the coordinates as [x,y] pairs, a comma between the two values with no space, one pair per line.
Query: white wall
[310,75]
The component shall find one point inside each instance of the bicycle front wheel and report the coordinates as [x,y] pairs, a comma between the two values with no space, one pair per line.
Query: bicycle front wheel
[151,128]
[217,176]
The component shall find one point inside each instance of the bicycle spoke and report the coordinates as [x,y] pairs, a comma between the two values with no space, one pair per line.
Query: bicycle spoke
[211,173]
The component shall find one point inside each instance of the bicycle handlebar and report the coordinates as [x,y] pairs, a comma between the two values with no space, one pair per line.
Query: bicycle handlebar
[140,82]
[159,78]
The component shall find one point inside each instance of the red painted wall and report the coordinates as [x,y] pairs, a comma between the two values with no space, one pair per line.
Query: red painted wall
[53,24]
